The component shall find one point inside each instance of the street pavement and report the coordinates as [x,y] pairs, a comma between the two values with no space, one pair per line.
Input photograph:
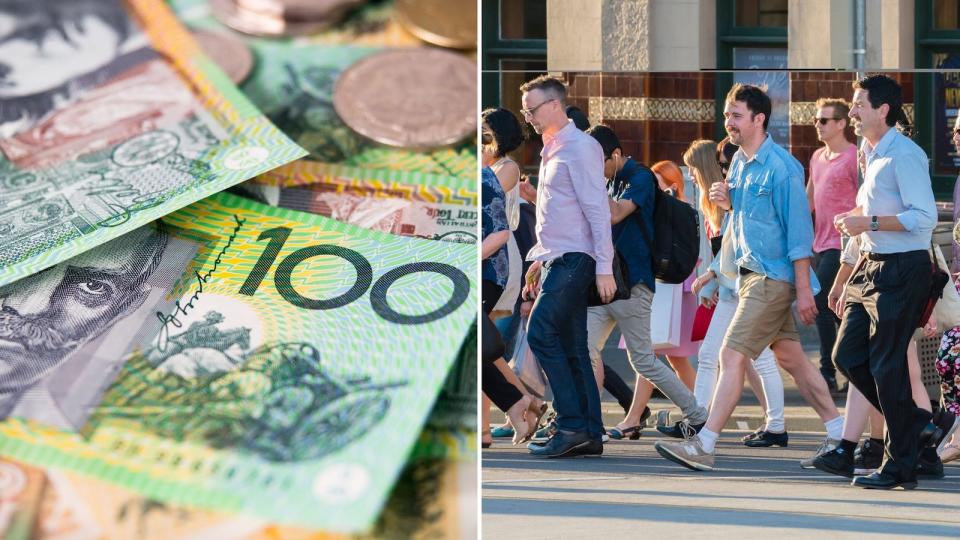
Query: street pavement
[754,493]
[631,492]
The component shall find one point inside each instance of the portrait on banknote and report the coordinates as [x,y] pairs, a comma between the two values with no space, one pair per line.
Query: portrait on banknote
[64,331]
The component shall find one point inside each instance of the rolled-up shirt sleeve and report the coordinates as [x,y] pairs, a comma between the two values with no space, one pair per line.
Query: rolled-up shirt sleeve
[913,181]
[586,173]
[795,214]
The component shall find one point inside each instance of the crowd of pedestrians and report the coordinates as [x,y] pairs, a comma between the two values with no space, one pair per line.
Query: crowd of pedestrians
[847,248]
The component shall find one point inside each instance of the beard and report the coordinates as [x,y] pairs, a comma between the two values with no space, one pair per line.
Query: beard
[34,334]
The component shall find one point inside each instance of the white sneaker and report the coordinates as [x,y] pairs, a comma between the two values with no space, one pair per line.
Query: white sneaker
[826,446]
[688,452]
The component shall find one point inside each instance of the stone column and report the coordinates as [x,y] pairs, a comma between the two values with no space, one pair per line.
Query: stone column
[631,35]
[820,34]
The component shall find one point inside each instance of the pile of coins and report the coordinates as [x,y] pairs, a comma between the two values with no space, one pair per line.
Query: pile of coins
[273,18]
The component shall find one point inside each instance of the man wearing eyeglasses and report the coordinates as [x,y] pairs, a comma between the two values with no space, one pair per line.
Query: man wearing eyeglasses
[832,190]
[574,252]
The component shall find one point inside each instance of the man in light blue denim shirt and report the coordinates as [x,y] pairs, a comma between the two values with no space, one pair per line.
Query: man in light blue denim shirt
[894,219]
[773,243]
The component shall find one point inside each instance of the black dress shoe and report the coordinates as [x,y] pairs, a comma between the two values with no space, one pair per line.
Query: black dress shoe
[930,435]
[681,429]
[929,464]
[562,444]
[767,438]
[837,461]
[882,480]
[592,448]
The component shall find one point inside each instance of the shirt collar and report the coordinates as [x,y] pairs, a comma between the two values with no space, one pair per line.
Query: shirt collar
[561,133]
[762,152]
[883,146]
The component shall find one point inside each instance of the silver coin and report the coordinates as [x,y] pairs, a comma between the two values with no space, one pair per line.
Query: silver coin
[300,10]
[230,53]
[257,23]
[410,98]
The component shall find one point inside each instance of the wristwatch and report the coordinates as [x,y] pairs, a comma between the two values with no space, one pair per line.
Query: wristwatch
[874,223]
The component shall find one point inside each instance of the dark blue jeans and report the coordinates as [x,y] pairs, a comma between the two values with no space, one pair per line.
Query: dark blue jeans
[557,334]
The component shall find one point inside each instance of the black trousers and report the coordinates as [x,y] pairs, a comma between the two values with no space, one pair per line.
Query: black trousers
[827,264]
[501,392]
[885,297]
[618,388]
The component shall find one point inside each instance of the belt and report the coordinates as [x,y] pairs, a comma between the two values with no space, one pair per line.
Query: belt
[890,256]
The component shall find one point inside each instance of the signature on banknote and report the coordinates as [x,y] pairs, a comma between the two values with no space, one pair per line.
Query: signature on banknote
[172,319]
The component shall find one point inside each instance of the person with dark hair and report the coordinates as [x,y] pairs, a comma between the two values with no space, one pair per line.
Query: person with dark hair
[501,133]
[507,395]
[832,189]
[894,220]
[771,234]
[573,252]
[97,36]
[579,118]
[631,188]
[706,161]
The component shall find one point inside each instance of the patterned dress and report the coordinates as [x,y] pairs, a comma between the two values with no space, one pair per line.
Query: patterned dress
[948,366]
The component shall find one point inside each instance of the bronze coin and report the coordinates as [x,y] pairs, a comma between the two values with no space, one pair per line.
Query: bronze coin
[410,98]
[257,23]
[447,23]
[230,53]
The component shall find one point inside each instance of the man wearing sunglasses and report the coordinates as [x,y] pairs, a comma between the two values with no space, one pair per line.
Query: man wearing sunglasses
[832,190]
[573,253]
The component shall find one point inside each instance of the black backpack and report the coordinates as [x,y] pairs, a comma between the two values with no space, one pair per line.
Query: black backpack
[675,247]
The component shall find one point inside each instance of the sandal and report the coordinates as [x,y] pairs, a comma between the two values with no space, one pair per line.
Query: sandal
[522,430]
[483,443]
[535,425]
[619,433]
[950,452]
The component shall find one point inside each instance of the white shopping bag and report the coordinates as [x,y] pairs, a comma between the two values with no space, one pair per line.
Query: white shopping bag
[665,315]
[947,310]
[526,365]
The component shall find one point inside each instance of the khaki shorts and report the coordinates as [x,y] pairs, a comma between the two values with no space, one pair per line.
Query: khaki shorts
[764,315]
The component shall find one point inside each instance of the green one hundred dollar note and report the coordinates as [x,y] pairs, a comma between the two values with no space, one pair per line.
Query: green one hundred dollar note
[237,357]
[409,211]
[110,117]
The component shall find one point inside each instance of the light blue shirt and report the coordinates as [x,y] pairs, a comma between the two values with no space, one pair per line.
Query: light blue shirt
[897,183]
[770,215]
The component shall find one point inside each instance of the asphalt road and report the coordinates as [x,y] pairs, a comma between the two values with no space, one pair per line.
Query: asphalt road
[631,492]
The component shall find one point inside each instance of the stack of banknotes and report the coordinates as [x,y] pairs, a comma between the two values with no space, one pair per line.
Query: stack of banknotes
[231,306]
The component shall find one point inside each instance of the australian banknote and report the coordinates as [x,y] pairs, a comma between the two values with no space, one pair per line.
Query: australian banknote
[436,210]
[239,358]
[432,499]
[110,117]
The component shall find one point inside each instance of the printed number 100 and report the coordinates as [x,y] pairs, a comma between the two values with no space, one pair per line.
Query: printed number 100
[378,295]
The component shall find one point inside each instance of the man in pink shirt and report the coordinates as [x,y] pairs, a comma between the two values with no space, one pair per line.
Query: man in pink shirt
[832,190]
[573,253]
